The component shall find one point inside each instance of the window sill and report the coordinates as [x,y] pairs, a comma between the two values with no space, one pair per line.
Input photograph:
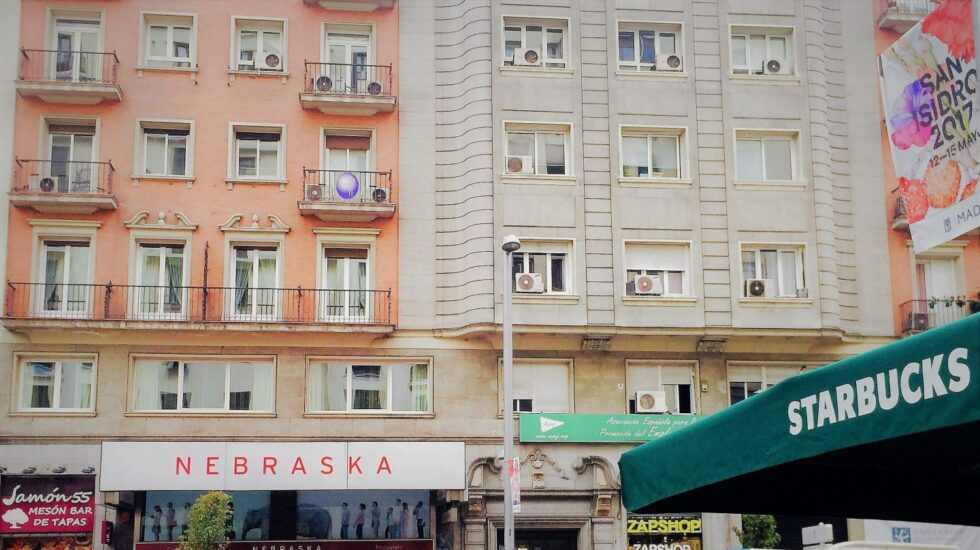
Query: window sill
[258,74]
[776,302]
[369,414]
[227,414]
[535,179]
[651,75]
[770,185]
[541,72]
[232,182]
[660,300]
[137,178]
[655,182]
[775,79]
[90,414]
[544,298]
[140,69]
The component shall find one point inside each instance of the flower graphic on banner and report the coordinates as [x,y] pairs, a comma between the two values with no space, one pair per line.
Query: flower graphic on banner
[943,183]
[948,23]
[908,129]
[915,197]
[968,190]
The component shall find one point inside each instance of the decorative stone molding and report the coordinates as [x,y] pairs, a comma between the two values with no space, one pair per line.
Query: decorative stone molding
[604,473]
[276,225]
[475,473]
[538,459]
[141,220]
[475,506]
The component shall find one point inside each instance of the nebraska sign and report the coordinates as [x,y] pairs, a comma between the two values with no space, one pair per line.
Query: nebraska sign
[47,504]
[238,466]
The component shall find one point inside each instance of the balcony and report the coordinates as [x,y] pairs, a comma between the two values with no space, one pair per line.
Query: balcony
[900,220]
[59,306]
[345,89]
[343,195]
[66,187]
[902,15]
[54,76]
[920,315]
[352,5]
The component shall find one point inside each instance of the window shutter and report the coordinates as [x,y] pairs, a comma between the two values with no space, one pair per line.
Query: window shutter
[356,143]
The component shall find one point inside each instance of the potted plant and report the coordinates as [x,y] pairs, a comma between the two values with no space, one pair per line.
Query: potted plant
[207,523]
[960,301]
[975,302]
[932,302]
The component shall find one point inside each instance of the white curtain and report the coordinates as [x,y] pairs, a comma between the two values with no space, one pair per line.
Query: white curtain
[147,385]
[263,386]
[317,387]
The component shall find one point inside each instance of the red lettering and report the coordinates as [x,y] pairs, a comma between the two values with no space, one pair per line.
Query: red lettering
[327,463]
[298,466]
[212,469]
[269,464]
[353,463]
[186,466]
[241,465]
[383,465]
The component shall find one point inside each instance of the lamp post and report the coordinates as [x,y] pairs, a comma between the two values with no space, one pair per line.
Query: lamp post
[511,244]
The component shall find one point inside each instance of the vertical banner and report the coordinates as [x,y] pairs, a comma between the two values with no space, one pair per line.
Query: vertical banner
[514,478]
[929,93]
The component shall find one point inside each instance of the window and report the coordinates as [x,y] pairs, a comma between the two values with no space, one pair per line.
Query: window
[744,381]
[165,148]
[652,154]
[160,290]
[77,41]
[258,153]
[259,45]
[539,43]
[936,277]
[346,151]
[667,264]
[56,385]
[203,385]
[71,154]
[753,51]
[169,41]
[65,266]
[369,386]
[348,54]
[551,261]
[541,387]
[764,157]
[647,47]
[254,281]
[538,150]
[773,272]
[345,273]
[675,380]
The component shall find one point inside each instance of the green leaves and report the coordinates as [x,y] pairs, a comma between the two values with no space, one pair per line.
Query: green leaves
[758,531]
[208,520]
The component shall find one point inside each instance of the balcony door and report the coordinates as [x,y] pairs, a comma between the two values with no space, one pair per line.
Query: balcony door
[348,52]
[71,149]
[160,291]
[254,281]
[77,46]
[936,279]
[66,291]
[345,274]
[347,154]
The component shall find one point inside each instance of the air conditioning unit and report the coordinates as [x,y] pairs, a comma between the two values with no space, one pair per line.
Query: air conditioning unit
[529,282]
[321,83]
[648,285]
[379,195]
[268,61]
[775,66]
[46,185]
[527,57]
[314,193]
[517,164]
[758,288]
[651,402]
[374,88]
[672,62]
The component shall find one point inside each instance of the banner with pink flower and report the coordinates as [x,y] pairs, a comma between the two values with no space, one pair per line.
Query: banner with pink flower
[929,91]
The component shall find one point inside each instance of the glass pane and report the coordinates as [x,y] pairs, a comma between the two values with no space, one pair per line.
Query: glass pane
[266,284]
[675,282]
[748,159]
[155,385]
[269,158]
[668,43]
[752,388]
[338,54]
[757,52]
[787,273]
[177,153]
[158,41]
[150,277]
[60,155]
[648,50]
[557,273]
[204,386]
[328,387]
[249,44]
[538,263]
[739,57]
[748,264]
[552,152]
[627,50]
[156,150]
[777,47]
[89,60]
[244,380]
[769,264]
[182,43]
[555,50]
[736,392]
[533,35]
[369,384]
[174,294]
[520,143]
[54,276]
[779,164]
[247,157]
[66,59]
[635,163]
[76,385]
[357,160]
[37,386]
[402,385]
[664,150]
[512,41]
[272,42]
[77,293]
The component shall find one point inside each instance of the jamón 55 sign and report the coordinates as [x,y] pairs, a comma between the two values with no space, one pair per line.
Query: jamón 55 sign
[47,504]
[929,89]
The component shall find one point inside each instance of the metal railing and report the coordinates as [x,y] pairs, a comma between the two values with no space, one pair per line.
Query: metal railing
[348,79]
[919,315]
[899,211]
[68,66]
[914,7]
[111,302]
[63,176]
[346,186]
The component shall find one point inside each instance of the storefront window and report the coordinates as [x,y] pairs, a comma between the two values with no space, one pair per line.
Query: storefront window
[166,513]
[669,531]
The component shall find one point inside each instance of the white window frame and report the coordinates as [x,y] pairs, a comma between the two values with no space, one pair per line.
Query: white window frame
[234,147]
[950,251]
[182,360]
[362,238]
[547,24]
[316,360]
[691,366]
[770,32]
[523,363]
[364,29]
[142,142]
[628,243]
[549,247]
[799,250]
[766,374]
[142,245]
[59,230]
[229,310]
[17,397]
[536,128]
[326,131]
[52,38]
[258,25]
[657,28]
[763,136]
[168,20]
[679,133]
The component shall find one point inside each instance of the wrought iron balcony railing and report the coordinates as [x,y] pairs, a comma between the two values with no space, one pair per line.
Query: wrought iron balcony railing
[63,176]
[351,186]
[913,7]
[68,66]
[348,79]
[919,315]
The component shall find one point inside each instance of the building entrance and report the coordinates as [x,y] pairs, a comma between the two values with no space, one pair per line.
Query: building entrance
[541,539]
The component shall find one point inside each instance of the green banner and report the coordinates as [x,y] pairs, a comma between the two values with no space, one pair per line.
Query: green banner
[600,428]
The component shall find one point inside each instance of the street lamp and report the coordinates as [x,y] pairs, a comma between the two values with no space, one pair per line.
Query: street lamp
[511,245]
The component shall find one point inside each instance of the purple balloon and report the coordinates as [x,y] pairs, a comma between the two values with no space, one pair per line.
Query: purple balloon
[347,185]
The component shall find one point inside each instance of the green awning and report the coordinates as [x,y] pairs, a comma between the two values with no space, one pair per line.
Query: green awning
[893,433]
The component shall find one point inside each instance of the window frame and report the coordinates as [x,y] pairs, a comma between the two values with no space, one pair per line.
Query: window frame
[350,361]
[799,250]
[764,136]
[141,145]
[745,32]
[744,373]
[259,25]
[547,24]
[536,128]
[21,358]
[232,264]
[234,149]
[138,271]
[658,28]
[182,360]
[679,133]
[51,39]
[169,20]
[548,247]
[692,366]
[686,274]
[520,363]
[59,230]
